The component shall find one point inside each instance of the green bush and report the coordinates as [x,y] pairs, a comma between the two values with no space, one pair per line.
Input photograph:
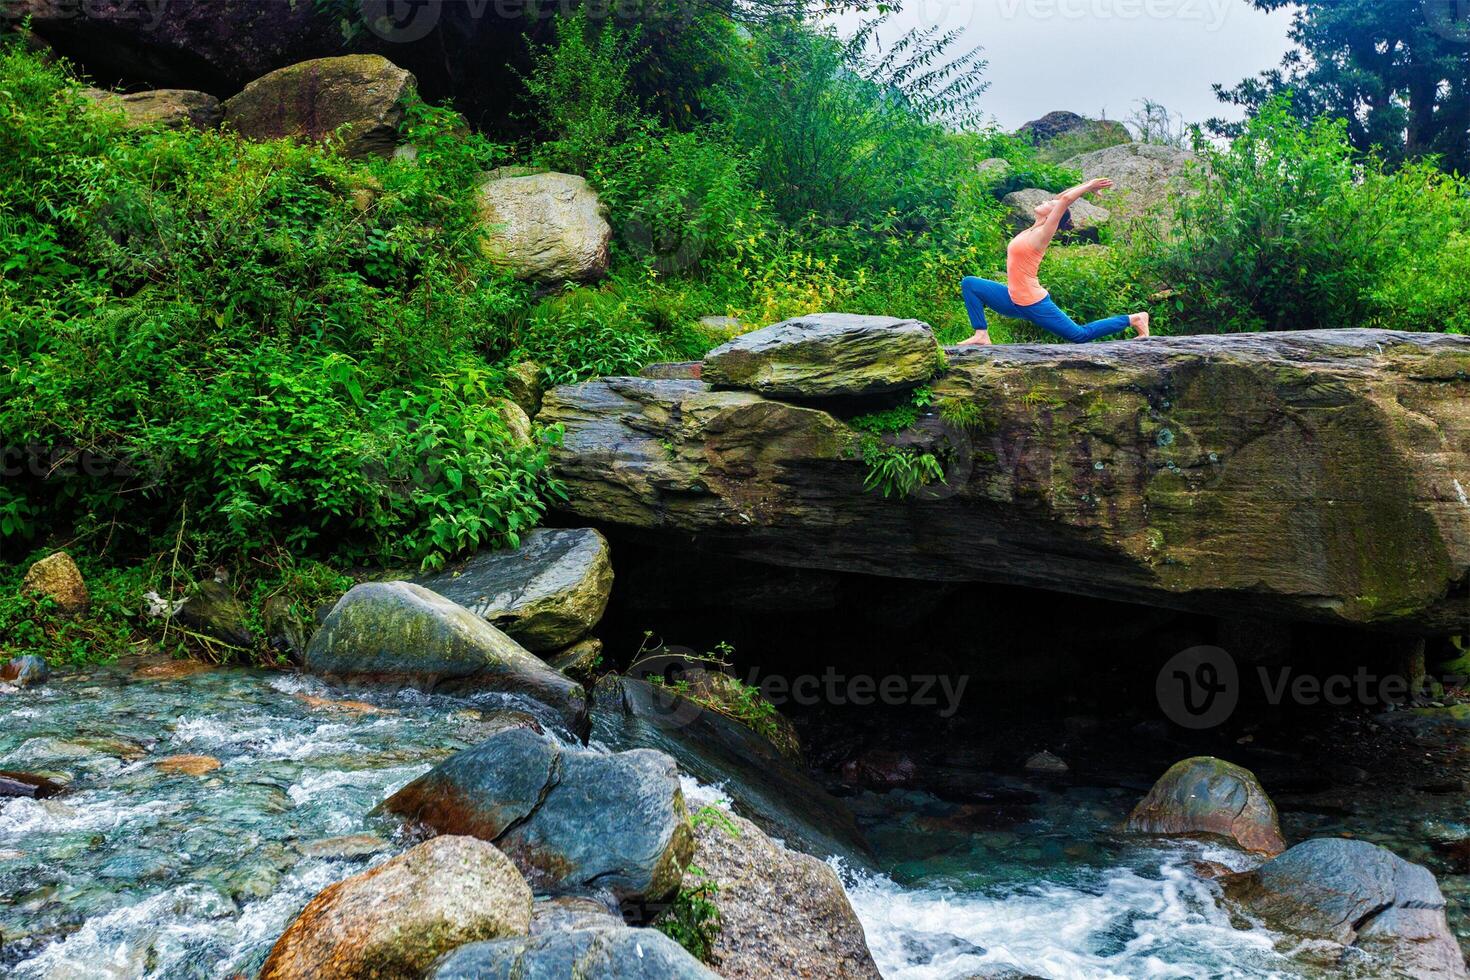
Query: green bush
[282,343]
[1292,229]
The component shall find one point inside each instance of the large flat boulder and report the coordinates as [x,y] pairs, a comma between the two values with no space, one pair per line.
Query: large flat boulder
[1316,475]
[314,99]
[605,954]
[569,818]
[398,632]
[1358,895]
[1211,797]
[394,920]
[826,355]
[547,227]
[546,595]
[782,914]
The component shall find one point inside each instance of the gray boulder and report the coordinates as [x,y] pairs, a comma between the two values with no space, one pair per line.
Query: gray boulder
[546,595]
[166,108]
[1087,218]
[782,913]
[395,919]
[547,227]
[1147,175]
[398,632]
[603,954]
[569,818]
[1358,895]
[1204,795]
[826,355]
[314,99]
[1068,130]
[26,671]
[761,779]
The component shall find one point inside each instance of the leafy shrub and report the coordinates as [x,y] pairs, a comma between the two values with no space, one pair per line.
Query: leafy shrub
[281,342]
[1292,229]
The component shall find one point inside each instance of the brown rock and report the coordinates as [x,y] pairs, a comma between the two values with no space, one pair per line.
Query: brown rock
[314,99]
[167,108]
[189,765]
[171,670]
[396,919]
[1204,795]
[782,914]
[57,577]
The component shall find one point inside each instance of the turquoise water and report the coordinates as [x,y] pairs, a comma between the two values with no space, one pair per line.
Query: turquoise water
[139,871]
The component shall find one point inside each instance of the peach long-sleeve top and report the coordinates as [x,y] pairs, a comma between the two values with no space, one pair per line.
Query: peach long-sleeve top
[1023,270]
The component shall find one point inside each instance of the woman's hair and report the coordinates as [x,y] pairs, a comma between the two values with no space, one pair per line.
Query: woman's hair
[1066,222]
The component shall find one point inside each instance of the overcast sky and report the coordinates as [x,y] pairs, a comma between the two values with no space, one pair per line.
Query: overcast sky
[1096,56]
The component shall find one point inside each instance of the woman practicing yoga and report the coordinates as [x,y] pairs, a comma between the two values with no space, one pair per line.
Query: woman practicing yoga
[1022,295]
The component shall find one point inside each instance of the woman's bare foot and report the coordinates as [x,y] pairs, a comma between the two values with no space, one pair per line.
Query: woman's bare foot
[1139,322]
[981,339]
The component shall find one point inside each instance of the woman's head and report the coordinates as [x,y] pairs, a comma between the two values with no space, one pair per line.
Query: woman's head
[1044,211]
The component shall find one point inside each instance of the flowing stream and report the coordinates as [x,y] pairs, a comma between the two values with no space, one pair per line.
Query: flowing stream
[152,866]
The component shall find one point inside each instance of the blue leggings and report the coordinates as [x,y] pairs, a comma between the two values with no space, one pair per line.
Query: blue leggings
[979,293]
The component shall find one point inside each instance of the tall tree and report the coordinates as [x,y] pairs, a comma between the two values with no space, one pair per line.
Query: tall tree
[1397,70]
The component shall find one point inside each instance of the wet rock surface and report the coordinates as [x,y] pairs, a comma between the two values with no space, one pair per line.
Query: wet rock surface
[764,783]
[782,913]
[1358,895]
[1210,796]
[396,919]
[608,954]
[569,818]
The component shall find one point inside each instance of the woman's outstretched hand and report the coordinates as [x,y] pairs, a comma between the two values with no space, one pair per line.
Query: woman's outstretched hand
[1098,184]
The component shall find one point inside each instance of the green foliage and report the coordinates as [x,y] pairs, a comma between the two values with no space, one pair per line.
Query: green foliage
[897,471]
[30,624]
[1292,229]
[693,919]
[1027,169]
[581,89]
[835,132]
[279,340]
[1395,74]
[897,418]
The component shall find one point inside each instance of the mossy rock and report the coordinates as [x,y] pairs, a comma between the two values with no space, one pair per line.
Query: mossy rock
[313,100]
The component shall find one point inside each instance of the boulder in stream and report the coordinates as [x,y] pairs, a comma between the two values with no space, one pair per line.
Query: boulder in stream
[315,99]
[1204,795]
[826,355]
[570,818]
[546,594]
[605,954]
[1359,896]
[402,633]
[782,914]
[764,782]
[395,919]
[26,671]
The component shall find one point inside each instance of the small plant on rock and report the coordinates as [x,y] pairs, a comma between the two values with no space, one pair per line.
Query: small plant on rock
[693,919]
